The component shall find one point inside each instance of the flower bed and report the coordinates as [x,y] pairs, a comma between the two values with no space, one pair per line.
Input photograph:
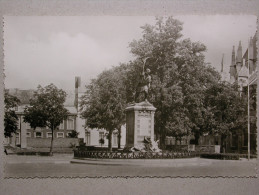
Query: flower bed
[133,155]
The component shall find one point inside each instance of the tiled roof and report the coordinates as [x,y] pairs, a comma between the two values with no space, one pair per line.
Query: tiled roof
[71,109]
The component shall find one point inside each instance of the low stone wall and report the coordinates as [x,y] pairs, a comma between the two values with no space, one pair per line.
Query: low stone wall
[57,142]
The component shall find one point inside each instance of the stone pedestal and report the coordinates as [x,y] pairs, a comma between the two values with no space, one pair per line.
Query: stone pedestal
[139,123]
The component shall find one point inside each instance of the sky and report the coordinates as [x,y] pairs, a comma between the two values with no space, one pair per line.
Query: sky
[39,50]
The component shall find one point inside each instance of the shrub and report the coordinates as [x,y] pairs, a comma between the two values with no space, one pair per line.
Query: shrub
[73,134]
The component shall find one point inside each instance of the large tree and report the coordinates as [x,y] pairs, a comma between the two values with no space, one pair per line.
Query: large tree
[10,117]
[104,102]
[229,109]
[180,77]
[47,109]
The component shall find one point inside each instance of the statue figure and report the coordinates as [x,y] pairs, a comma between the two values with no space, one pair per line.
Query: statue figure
[143,85]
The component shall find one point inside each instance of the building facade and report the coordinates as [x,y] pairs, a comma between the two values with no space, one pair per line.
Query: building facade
[243,71]
[26,137]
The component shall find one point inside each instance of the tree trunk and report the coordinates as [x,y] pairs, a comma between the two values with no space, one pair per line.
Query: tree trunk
[119,137]
[51,143]
[110,141]
[223,144]
[162,139]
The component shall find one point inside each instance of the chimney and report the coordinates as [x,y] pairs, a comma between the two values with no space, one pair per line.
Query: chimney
[77,85]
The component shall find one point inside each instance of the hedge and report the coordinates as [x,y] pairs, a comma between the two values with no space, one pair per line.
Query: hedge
[226,156]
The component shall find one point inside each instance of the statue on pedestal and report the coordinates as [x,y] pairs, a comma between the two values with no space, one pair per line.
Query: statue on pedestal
[144,84]
[140,116]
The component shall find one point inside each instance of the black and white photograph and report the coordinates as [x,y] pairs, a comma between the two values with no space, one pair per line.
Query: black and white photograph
[130,96]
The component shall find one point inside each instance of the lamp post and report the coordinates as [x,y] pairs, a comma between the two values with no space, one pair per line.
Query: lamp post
[248,106]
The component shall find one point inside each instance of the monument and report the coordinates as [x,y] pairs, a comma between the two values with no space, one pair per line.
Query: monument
[139,123]
[140,116]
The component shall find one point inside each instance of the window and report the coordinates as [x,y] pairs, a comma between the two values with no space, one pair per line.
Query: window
[70,124]
[38,134]
[17,139]
[115,139]
[18,123]
[87,138]
[101,135]
[60,135]
[28,134]
[61,126]
[28,126]
[49,134]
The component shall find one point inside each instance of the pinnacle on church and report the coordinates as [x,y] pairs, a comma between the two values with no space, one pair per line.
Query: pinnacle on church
[233,57]
[222,63]
[233,71]
[251,48]
[239,54]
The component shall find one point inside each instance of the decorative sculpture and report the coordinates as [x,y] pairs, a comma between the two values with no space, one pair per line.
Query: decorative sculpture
[144,83]
[147,146]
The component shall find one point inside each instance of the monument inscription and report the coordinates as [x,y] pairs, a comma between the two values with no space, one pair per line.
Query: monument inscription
[139,123]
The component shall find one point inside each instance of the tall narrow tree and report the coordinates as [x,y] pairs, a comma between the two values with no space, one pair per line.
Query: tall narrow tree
[10,117]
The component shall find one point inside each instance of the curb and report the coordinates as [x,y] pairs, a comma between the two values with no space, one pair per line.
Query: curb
[139,162]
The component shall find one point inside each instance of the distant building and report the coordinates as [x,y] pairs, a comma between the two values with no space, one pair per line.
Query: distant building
[240,64]
[243,71]
[26,137]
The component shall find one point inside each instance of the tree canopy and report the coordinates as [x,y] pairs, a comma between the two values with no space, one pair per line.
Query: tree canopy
[104,102]
[187,92]
[46,109]
[180,77]
[10,117]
